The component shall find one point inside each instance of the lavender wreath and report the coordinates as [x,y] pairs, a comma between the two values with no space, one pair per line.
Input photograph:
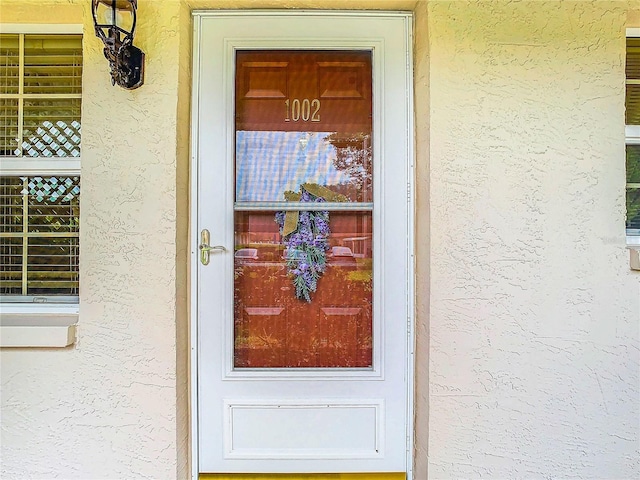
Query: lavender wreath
[306,238]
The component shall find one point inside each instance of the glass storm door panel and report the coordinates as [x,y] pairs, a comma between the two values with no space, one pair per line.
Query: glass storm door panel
[303,277]
[301,255]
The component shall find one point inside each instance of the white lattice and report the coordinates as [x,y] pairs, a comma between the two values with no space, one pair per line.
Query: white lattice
[54,140]
[53,189]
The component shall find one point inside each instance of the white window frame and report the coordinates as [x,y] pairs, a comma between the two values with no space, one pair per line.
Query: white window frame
[29,324]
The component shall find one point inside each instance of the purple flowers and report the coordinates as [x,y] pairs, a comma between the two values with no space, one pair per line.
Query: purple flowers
[306,247]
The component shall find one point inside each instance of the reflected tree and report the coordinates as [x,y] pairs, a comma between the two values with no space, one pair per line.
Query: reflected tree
[353,157]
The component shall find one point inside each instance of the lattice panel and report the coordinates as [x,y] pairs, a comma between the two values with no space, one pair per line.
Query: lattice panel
[53,188]
[54,204]
[57,139]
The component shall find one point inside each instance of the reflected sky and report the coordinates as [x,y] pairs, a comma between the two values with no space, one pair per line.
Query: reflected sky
[269,163]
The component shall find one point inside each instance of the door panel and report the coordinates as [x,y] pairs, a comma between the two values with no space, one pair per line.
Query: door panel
[302,124]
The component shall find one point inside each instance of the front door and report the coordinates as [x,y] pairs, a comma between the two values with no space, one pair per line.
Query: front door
[302,242]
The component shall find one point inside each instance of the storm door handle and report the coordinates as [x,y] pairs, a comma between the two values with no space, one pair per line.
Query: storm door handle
[206,249]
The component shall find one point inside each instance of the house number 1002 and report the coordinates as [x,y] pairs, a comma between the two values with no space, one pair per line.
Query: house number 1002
[305,110]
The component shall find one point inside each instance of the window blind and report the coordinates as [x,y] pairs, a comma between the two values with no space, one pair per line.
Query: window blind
[39,226]
[40,96]
[633,81]
[632,117]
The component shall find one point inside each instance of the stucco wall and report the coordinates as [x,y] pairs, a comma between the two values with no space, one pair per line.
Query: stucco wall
[422,238]
[534,312]
[525,304]
[107,407]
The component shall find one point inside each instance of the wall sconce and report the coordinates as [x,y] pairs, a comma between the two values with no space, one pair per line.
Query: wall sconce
[115,24]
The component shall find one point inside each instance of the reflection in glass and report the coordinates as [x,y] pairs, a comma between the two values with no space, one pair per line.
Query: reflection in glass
[303,278]
[270,163]
[274,328]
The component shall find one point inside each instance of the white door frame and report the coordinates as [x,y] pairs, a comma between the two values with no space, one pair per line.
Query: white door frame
[195,240]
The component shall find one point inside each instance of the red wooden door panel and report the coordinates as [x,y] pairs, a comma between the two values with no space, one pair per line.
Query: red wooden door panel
[272,86]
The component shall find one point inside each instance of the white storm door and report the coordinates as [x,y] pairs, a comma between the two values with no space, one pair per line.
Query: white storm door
[302,178]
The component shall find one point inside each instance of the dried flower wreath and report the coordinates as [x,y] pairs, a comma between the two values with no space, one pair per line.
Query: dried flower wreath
[306,238]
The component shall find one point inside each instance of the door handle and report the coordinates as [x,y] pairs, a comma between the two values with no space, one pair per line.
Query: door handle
[206,249]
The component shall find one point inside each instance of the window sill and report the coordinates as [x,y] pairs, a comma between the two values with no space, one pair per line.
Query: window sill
[30,326]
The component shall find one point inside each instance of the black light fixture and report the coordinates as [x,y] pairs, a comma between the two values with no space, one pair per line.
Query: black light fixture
[115,24]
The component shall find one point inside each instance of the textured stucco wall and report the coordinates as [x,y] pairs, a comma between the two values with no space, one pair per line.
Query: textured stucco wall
[633,16]
[115,405]
[525,304]
[422,238]
[107,407]
[184,24]
[534,313]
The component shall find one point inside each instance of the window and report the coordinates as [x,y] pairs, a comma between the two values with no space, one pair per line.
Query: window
[632,130]
[40,104]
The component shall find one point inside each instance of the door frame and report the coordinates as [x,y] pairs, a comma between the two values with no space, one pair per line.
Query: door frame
[194,227]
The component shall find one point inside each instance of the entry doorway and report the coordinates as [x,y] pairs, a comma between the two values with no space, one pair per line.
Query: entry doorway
[302,242]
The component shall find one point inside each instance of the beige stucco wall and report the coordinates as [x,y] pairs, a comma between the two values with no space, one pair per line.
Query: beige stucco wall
[527,314]
[112,406]
[534,312]
[422,237]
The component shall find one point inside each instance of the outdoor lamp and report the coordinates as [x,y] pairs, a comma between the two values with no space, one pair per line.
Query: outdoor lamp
[115,24]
